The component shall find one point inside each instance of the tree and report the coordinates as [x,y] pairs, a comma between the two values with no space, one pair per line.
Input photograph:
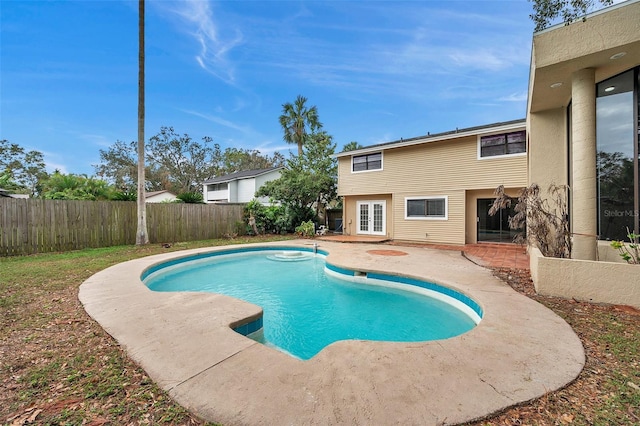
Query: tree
[236,160]
[61,186]
[181,162]
[142,235]
[177,162]
[308,181]
[7,183]
[547,11]
[543,222]
[297,121]
[25,170]
[352,146]
[118,165]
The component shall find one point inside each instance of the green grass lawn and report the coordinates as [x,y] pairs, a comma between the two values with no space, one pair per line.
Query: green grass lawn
[58,365]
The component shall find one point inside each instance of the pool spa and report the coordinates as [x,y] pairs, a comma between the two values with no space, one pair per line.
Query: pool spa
[309,304]
[194,344]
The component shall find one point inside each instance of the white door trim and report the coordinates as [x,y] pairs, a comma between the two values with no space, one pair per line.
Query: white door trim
[372,220]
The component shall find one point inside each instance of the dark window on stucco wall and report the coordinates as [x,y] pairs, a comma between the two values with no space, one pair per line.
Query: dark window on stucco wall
[617,138]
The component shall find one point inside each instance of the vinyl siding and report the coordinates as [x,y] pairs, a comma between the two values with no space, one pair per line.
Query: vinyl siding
[350,214]
[434,166]
[450,231]
[448,168]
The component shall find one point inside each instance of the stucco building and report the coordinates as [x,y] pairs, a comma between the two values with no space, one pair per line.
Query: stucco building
[582,121]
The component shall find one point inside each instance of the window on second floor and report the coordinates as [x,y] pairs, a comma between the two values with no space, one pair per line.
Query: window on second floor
[366,162]
[218,187]
[503,144]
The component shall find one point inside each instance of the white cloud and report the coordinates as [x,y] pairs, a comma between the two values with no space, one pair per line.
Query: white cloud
[264,148]
[99,140]
[219,120]
[484,59]
[514,97]
[198,19]
[52,162]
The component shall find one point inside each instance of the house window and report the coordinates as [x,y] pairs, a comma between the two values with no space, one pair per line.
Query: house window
[426,208]
[503,144]
[366,162]
[618,155]
[218,187]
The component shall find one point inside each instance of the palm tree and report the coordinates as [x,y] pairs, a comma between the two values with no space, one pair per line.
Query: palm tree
[297,121]
[142,236]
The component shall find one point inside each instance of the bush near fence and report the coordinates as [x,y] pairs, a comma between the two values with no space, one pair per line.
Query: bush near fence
[29,226]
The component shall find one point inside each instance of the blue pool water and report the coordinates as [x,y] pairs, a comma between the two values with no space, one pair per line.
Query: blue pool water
[306,308]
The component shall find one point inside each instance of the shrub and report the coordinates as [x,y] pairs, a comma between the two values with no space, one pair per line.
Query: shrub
[630,254]
[544,221]
[306,229]
[191,197]
[275,219]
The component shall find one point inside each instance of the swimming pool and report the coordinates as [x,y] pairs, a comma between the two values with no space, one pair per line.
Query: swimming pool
[309,304]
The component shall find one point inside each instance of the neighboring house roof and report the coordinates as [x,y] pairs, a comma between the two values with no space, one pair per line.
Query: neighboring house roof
[246,174]
[154,193]
[7,194]
[436,137]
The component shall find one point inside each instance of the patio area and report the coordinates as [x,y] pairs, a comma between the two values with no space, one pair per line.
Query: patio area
[184,342]
[485,254]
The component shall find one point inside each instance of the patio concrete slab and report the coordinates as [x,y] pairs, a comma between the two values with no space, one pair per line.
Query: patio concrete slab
[520,350]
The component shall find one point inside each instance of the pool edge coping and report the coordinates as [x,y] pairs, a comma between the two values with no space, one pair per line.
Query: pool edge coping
[99,284]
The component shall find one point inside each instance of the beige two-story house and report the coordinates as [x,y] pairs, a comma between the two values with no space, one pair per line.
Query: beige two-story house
[434,188]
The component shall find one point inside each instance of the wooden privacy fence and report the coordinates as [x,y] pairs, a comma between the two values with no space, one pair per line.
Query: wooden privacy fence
[30,226]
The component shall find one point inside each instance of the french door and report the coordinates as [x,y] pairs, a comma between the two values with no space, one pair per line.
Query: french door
[371,217]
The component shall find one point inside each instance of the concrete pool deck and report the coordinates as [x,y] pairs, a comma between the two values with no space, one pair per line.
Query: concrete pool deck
[519,351]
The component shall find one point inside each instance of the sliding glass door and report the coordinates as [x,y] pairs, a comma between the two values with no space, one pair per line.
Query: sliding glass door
[494,228]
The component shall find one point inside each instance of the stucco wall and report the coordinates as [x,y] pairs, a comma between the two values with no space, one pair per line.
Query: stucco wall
[560,51]
[548,148]
[591,36]
[586,280]
[161,198]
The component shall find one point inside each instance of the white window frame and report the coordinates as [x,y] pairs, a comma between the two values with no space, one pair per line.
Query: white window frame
[430,197]
[372,170]
[518,154]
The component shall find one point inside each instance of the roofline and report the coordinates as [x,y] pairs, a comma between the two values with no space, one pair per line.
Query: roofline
[244,177]
[454,134]
[154,193]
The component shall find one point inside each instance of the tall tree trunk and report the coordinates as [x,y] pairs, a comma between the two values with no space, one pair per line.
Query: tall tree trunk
[142,236]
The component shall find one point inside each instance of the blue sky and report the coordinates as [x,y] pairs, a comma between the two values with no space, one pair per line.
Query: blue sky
[376,70]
